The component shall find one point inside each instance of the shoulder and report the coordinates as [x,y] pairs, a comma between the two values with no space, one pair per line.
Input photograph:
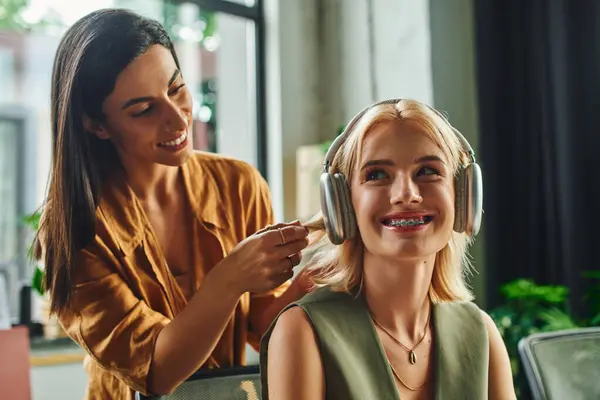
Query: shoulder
[229,174]
[496,341]
[325,295]
[294,358]
[500,371]
[295,324]
[222,166]
[292,326]
[463,310]
[489,322]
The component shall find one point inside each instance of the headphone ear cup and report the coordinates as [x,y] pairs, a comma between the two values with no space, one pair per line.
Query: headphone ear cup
[346,208]
[468,187]
[460,206]
[338,214]
[474,199]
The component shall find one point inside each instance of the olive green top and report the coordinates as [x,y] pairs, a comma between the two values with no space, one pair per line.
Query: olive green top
[354,361]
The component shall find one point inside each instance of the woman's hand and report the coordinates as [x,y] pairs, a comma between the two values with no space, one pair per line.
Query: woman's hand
[303,282]
[264,260]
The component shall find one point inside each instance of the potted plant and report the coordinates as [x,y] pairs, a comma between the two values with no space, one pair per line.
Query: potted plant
[52,328]
[530,308]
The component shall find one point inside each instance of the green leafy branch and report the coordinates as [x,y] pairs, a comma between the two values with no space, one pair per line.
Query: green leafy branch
[37,281]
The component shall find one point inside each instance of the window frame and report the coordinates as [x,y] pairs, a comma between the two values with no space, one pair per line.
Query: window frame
[18,270]
[255,14]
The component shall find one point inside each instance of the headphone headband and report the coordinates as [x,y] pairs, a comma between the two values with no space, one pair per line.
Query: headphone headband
[337,143]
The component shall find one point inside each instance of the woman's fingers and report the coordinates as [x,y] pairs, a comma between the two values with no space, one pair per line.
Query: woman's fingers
[295,259]
[284,236]
[287,263]
[278,225]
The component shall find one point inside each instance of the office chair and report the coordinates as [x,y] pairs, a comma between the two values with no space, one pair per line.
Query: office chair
[563,364]
[235,383]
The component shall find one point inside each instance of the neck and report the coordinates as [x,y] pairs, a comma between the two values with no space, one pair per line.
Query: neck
[153,183]
[397,293]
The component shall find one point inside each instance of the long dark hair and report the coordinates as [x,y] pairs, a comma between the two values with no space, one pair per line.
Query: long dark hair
[90,56]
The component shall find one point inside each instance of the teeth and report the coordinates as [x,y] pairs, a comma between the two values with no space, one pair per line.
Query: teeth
[177,141]
[405,221]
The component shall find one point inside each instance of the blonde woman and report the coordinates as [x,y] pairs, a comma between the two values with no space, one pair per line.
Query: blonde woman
[392,316]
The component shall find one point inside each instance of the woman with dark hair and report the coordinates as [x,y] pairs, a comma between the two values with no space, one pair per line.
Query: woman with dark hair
[158,260]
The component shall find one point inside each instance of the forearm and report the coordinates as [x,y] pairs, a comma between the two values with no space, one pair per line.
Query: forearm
[190,338]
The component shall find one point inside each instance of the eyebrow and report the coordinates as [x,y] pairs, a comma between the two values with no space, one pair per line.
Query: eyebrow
[371,163]
[429,158]
[389,162]
[137,100]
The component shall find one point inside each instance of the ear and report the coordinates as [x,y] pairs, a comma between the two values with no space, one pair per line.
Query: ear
[96,128]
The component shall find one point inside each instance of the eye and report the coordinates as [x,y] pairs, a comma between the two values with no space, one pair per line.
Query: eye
[375,174]
[428,171]
[176,90]
[143,112]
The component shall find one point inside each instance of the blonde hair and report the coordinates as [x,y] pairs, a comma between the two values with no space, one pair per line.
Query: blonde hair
[340,267]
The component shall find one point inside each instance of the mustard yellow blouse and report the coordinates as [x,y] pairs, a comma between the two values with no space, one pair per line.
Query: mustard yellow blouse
[124,293]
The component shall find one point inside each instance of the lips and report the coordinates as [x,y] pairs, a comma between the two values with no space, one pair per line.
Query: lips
[407,219]
[175,142]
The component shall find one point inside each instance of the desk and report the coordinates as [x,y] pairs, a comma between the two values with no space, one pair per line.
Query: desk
[57,369]
[46,352]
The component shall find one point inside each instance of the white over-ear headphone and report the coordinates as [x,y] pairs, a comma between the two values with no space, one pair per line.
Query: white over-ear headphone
[336,204]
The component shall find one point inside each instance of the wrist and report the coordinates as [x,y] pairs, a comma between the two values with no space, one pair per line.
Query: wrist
[219,278]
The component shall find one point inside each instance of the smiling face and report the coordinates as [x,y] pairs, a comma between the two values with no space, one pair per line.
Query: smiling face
[149,112]
[403,192]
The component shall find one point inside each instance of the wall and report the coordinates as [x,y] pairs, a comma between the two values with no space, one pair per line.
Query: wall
[374,50]
[292,94]
[455,91]
[385,52]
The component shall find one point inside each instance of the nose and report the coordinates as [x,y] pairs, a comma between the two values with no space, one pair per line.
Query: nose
[404,191]
[176,117]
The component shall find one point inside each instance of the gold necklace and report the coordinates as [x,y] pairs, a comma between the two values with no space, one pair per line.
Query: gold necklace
[412,389]
[412,357]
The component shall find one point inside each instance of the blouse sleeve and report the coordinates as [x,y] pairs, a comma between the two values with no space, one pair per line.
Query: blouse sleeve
[117,329]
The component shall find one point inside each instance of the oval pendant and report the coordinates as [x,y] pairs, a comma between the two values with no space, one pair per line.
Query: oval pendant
[412,357]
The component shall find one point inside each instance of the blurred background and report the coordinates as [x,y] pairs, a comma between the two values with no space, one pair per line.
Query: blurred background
[274,81]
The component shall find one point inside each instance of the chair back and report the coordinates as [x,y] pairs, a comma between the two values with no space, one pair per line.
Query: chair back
[563,365]
[237,383]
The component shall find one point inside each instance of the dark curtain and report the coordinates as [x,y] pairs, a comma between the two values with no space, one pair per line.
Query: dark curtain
[538,67]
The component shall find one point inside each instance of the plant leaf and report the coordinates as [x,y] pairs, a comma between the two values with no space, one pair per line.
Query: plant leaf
[32,220]
[37,281]
[555,320]
[591,274]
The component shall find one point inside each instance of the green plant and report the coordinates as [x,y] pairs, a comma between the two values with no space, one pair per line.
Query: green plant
[13,17]
[10,15]
[592,297]
[529,308]
[37,281]
[326,144]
